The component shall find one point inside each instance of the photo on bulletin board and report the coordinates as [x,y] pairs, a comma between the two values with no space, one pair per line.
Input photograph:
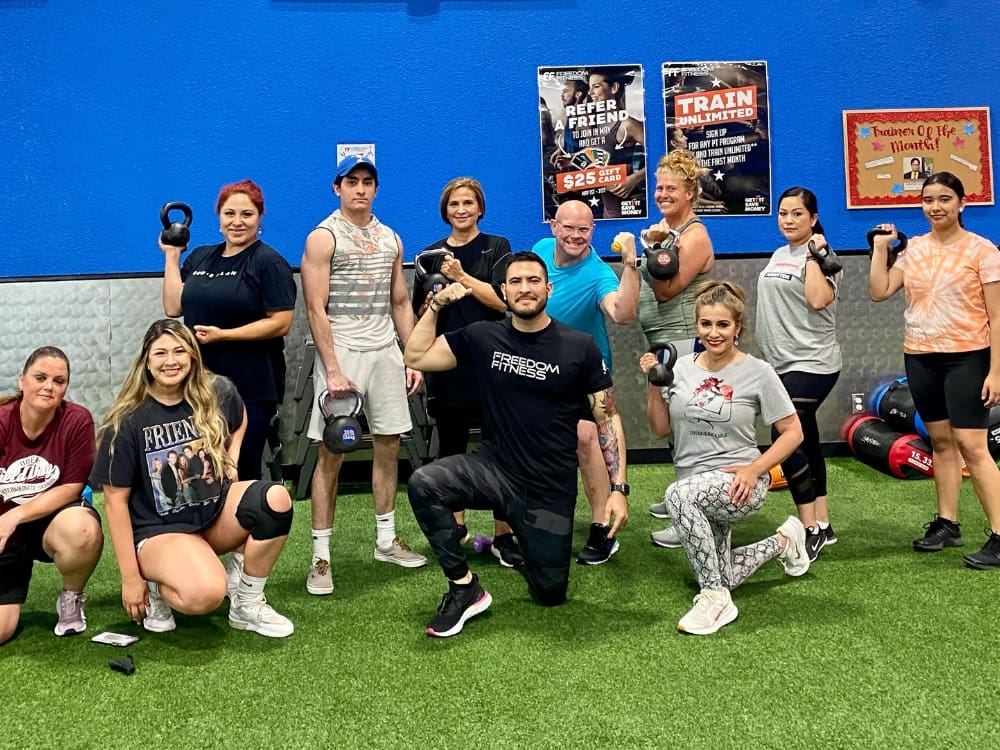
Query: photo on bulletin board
[888,153]
[593,139]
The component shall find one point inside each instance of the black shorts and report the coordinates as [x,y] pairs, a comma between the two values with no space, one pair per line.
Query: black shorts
[947,386]
[17,561]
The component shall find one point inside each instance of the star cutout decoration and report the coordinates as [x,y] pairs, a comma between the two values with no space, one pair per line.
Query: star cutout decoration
[897,188]
[969,128]
[864,132]
[717,174]
[716,83]
[595,201]
[959,143]
[878,145]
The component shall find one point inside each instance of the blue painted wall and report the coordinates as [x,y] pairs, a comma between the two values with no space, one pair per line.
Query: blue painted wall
[109,109]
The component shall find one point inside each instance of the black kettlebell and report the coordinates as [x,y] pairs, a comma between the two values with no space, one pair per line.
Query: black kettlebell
[894,250]
[660,250]
[175,233]
[662,373]
[431,281]
[342,433]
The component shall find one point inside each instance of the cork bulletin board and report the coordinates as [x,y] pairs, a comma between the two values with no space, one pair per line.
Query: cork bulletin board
[889,152]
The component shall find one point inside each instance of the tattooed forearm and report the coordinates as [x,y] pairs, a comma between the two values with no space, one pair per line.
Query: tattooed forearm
[605,411]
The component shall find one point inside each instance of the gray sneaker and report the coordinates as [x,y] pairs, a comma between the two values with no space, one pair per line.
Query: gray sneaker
[234,569]
[669,537]
[258,616]
[659,510]
[400,553]
[69,607]
[159,618]
[794,556]
[320,580]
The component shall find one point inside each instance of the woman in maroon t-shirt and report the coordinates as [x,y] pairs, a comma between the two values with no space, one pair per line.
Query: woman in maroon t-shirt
[46,453]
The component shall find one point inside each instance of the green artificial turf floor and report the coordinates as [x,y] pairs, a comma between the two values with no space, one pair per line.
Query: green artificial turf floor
[876,647]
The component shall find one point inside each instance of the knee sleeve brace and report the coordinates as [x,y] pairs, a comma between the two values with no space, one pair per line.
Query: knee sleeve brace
[259,518]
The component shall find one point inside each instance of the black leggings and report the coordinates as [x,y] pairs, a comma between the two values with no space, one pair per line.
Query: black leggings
[805,469]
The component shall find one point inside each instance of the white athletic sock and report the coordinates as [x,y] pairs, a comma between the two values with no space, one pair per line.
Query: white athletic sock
[385,529]
[251,588]
[321,544]
[823,525]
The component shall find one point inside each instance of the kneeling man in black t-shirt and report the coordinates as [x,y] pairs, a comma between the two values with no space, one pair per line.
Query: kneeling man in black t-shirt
[533,373]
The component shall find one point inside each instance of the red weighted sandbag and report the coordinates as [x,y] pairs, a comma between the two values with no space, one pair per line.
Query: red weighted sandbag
[875,443]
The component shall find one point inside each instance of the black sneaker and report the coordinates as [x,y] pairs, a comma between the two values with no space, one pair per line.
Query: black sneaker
[505,549]
[463,534]
[457,606]
[941,533]
[599,547]
[989,556]
[815,539]
[830,534]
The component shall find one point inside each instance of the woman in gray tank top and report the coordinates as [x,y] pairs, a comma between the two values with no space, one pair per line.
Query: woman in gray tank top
[666,307]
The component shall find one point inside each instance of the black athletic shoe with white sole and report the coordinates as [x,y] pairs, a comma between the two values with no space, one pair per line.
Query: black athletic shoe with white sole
[457,606]
[599,547]
[506,551]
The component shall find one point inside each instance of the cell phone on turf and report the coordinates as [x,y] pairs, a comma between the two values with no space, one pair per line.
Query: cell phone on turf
[115,639]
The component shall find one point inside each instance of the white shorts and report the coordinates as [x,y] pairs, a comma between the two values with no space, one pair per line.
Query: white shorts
[381,376]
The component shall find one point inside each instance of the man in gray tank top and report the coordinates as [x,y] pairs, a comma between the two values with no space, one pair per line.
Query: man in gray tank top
[358,305]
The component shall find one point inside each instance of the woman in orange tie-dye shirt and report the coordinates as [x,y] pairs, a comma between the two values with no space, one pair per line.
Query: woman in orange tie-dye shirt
[951,345]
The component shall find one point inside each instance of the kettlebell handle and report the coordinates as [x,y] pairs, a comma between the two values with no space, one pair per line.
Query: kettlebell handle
[359,403]
[175,206]
[418,262]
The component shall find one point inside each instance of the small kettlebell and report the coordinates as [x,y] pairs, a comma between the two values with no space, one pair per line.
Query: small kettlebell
[894,250]
[342,433]
[662,373]
[660,249]
[176,233]
[432,281]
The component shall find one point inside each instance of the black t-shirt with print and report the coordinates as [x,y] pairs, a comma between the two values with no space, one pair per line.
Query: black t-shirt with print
[149,460]
[232,292]
[532,386]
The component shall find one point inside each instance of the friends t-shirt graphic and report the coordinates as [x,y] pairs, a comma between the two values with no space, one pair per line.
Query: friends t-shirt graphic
[181,476]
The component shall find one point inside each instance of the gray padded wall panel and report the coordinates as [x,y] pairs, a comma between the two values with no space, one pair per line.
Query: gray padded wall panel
[99,323]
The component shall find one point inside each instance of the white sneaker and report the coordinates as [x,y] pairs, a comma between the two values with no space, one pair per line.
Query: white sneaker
[713,608]
[258,616]
[234,569]
[670,537]
[159,618]
[659,510]
[319,582]
[794,556]
[400,553]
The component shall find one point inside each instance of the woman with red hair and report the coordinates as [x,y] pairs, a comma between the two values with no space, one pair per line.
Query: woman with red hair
[238,296]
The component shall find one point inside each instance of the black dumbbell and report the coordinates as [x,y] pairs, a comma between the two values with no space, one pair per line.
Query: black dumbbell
[894,250]
[662,373]
[660,250]
[342,433]
[431,281]
[175,233]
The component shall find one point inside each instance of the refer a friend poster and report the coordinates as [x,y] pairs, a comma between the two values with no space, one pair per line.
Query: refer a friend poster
[719,111]
[888,154]
[593,138]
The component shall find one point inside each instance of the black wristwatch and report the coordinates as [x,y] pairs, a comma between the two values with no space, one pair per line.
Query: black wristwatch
[622,488]
[637,263]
